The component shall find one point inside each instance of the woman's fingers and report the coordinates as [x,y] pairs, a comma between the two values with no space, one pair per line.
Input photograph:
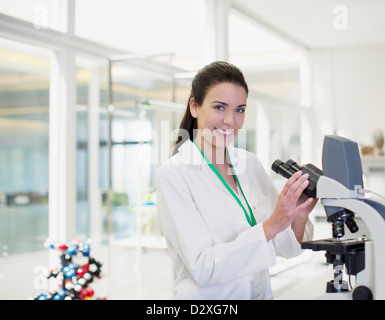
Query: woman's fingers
[290,182]
[306,207]
[295,186]
[292,202]
[298,187]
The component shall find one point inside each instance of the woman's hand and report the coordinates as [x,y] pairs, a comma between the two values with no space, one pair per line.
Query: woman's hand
[291,204]
[299,223]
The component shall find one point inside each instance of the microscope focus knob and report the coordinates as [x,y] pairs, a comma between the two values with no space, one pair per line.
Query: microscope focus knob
[362,293]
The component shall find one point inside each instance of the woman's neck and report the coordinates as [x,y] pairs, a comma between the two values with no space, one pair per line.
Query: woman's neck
[218,158]
[217,155]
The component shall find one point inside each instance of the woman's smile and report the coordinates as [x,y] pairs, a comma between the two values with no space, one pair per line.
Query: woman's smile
[225,132]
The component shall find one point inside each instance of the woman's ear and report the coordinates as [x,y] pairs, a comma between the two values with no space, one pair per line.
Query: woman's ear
[193,108]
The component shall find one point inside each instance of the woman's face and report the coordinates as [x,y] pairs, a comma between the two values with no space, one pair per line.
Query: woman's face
[221,114]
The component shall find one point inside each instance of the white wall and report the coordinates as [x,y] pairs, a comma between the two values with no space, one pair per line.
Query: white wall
[348,93]
[359,90]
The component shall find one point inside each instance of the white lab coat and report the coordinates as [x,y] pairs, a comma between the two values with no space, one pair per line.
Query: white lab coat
[216,253]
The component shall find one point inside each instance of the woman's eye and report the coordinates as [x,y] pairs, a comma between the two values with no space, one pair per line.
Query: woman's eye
[241,110]
[219,107]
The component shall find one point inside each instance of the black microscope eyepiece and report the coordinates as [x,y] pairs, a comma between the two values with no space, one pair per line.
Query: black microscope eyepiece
[288,168]
[282,169]
[293,165]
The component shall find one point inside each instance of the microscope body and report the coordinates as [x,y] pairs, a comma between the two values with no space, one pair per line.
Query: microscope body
[363,257]
[339,190]
[339,187]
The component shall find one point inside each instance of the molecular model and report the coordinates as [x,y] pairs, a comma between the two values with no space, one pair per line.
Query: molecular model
[73,278]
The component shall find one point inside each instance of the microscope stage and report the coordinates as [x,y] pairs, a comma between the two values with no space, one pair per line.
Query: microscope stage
[336,246]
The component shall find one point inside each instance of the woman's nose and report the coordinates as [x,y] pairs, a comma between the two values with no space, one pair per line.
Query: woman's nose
[229,118]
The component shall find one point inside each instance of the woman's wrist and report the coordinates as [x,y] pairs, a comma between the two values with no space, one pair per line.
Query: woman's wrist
[298,226]
[269,230]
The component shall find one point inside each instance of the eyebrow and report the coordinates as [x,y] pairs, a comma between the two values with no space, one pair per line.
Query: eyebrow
[226,104]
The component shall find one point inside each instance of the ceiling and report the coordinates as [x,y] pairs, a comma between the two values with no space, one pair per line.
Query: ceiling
[320,23]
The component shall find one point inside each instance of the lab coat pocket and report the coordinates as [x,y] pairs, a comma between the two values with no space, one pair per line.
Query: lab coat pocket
[261,208]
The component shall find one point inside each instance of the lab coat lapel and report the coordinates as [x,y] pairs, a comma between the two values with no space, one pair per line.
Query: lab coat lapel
[238,161]
[192,156]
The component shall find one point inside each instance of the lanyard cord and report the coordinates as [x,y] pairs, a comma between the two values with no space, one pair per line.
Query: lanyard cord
[250,218]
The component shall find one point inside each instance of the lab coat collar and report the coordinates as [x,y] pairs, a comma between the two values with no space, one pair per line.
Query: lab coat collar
[190,155]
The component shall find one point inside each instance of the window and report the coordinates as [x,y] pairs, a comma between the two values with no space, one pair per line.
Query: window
[83,79]
[24,113]
[135,85]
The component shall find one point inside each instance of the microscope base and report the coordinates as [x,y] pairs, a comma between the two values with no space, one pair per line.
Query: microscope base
[340,252]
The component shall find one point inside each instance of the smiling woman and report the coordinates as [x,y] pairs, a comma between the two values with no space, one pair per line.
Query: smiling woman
[221,215]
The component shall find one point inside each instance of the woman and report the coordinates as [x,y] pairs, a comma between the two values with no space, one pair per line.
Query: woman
[222,218]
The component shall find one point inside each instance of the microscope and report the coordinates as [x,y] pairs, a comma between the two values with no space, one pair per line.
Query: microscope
[339,186]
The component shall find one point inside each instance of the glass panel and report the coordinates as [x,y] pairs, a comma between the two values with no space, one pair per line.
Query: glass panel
[182,88]
[132,84]
[131,171]
[132,146]
[43,14]
[24,113]
[91,89]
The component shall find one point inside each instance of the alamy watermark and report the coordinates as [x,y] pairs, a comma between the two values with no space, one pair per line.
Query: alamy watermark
[340,21]
[40,17]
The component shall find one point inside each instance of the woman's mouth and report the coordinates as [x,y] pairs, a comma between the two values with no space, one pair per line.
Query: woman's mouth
[226,132]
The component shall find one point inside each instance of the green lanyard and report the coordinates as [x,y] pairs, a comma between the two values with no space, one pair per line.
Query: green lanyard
[250,218]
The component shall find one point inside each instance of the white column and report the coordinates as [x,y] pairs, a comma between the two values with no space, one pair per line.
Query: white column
[94,195]
[263,134]
[71,11]
[305,118]
[62,147]
[323,114]
[216,41]
[306,138]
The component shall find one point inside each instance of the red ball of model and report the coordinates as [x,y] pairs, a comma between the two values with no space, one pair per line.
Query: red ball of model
[80,272]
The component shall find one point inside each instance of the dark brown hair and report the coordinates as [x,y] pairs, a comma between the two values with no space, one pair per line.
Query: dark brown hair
[212,74]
